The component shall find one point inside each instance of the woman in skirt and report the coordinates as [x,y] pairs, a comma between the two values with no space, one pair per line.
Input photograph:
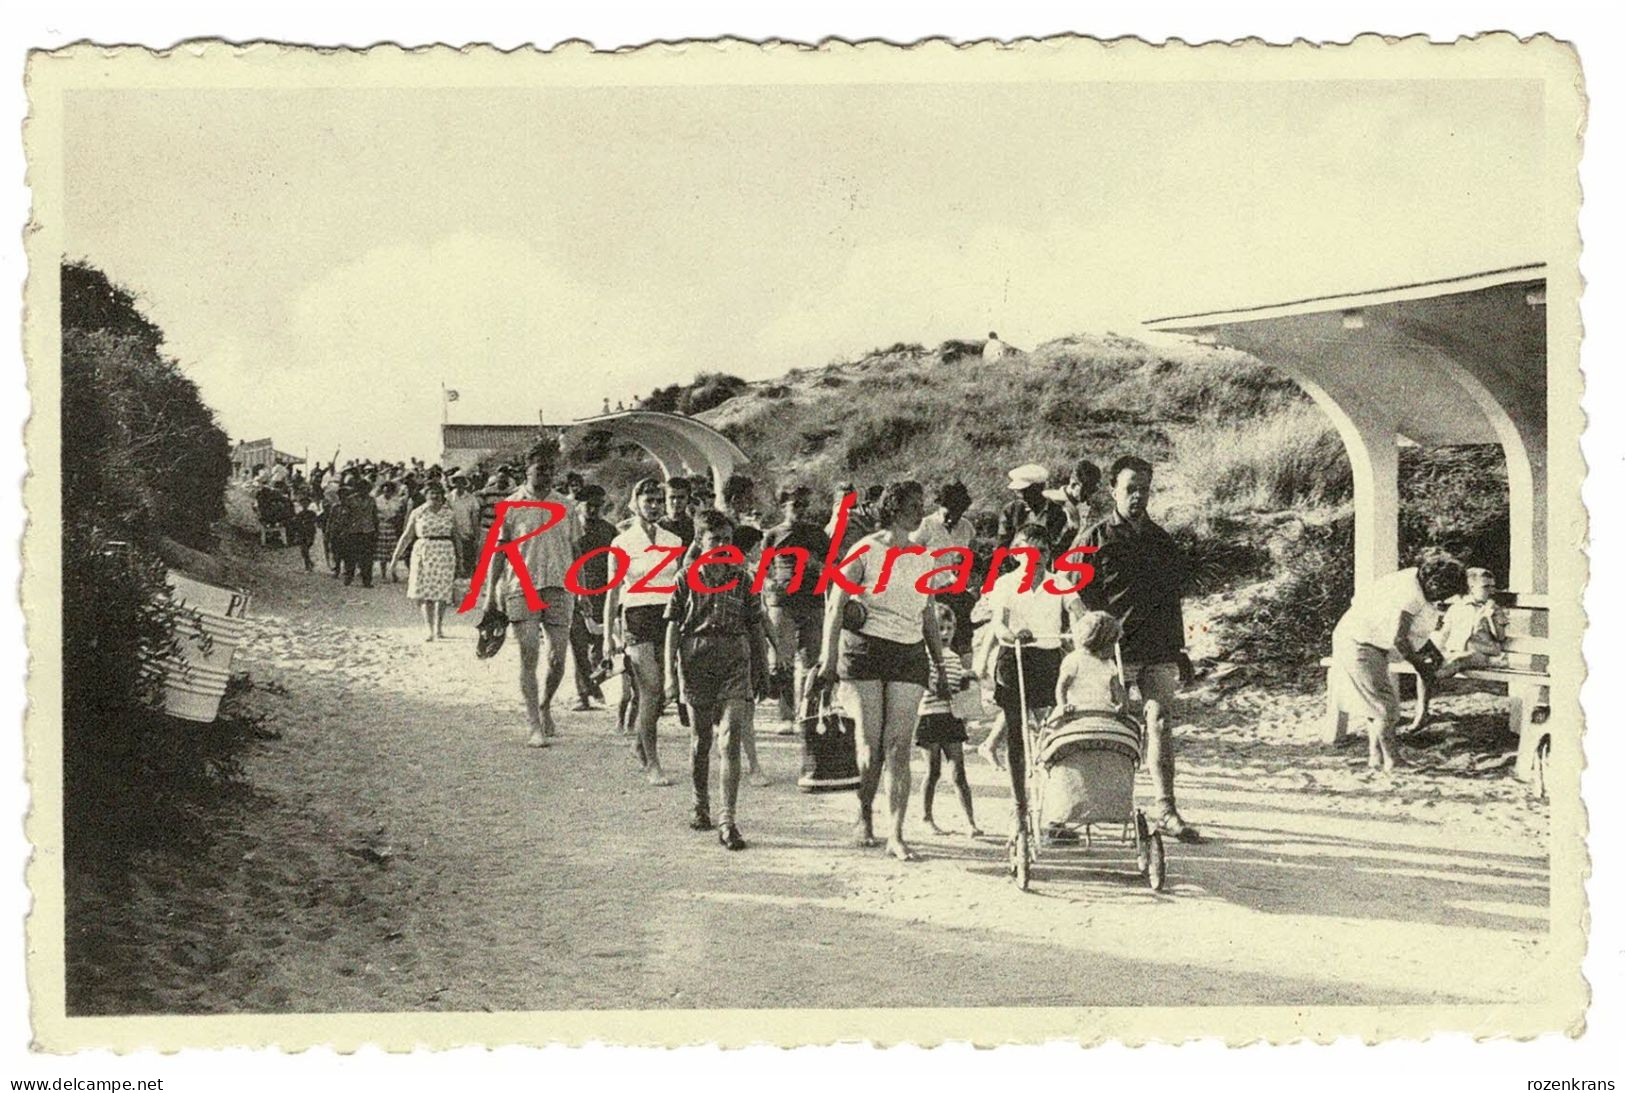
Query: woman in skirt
[877,648]
[431,577]
[1393,614]
[392,509]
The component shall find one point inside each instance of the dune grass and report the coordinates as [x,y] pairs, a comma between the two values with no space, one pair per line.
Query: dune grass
[1291,458]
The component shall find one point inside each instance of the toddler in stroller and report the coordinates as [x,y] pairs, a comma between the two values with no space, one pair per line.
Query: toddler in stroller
[1088,717]
[1081,761]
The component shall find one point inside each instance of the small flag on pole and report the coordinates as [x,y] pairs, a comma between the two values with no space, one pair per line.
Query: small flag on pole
[451,396]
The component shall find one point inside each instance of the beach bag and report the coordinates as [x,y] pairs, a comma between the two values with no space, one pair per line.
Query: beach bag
[829,751]
[493,631]
[966,704]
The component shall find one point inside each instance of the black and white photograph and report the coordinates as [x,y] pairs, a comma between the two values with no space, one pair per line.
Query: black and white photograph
[725,543]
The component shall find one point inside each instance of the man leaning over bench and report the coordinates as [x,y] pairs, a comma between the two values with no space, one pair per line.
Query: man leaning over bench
[1487,636]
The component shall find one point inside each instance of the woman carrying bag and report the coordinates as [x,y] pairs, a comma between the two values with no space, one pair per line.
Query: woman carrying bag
[876,644]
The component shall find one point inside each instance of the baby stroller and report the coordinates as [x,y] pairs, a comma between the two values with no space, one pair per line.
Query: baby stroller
[1080,768]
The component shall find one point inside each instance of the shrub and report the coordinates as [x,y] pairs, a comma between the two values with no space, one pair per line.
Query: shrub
[745,433]
[813,440]
[142,460]
[954,350]
[709,390]
[665,399]
[1455,499]
[1288,627]
[876,439]
[1219,558]
[593,447]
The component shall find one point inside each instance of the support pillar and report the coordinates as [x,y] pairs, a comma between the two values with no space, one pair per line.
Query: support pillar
[1529,519]
[1375,461]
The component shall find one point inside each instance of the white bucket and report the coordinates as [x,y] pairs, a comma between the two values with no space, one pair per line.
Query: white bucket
[209,640]
[205,650]
[192,690]
[191,705]
[208,598]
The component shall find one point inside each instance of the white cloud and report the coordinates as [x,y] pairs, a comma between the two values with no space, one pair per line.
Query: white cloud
[492,318]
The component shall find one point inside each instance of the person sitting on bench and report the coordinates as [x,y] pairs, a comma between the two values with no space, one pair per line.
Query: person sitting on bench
[1473,633]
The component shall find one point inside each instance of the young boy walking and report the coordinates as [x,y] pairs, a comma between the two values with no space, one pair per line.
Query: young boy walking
[716,658]
[302,530]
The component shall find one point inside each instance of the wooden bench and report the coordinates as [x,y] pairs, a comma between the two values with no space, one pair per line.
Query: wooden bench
[1526,677]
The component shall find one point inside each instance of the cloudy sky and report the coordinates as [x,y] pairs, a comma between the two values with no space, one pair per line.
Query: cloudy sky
[322,261]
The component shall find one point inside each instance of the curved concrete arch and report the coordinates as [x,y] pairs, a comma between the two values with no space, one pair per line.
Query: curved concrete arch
[679,444]
[1371,441]
[1524,445]
[668,450]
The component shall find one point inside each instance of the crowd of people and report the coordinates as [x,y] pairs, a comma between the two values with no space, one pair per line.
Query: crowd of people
[381,516]
[890,659]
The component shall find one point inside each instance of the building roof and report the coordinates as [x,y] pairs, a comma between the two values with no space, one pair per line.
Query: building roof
[1426,355]
[487,436]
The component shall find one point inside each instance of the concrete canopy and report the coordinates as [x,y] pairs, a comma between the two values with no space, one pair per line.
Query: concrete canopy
[679,444]
[1457,361]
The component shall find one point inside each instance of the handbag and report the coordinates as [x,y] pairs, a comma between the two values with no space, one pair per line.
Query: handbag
[615,664]
[853,615]
[493,631]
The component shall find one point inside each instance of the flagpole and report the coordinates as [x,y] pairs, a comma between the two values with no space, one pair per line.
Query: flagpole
[445,405]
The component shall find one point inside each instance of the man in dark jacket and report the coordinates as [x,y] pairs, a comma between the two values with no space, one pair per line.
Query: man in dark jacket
[1139,575]
[358,535]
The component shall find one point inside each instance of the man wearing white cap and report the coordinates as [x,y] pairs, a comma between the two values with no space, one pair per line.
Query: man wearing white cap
[1030,505]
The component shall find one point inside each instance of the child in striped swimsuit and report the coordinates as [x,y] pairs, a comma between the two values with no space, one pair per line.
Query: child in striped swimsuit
[939,732]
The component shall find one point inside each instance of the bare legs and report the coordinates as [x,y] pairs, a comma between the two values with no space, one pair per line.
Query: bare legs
[956,760]
[538,706]
[989,748]
[1383,745]
[434,613]
[735,718]
[649,689]
[885,715]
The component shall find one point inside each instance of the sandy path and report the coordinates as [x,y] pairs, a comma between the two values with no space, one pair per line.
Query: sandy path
[406,851]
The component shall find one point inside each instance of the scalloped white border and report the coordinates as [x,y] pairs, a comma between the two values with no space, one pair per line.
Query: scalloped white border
[833,58]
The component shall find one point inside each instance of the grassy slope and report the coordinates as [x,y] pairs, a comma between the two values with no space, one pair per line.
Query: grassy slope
[906,413]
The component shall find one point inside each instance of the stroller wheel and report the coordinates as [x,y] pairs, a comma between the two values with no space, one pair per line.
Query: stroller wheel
[1156,863]
[1021,860]
[1142,844]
